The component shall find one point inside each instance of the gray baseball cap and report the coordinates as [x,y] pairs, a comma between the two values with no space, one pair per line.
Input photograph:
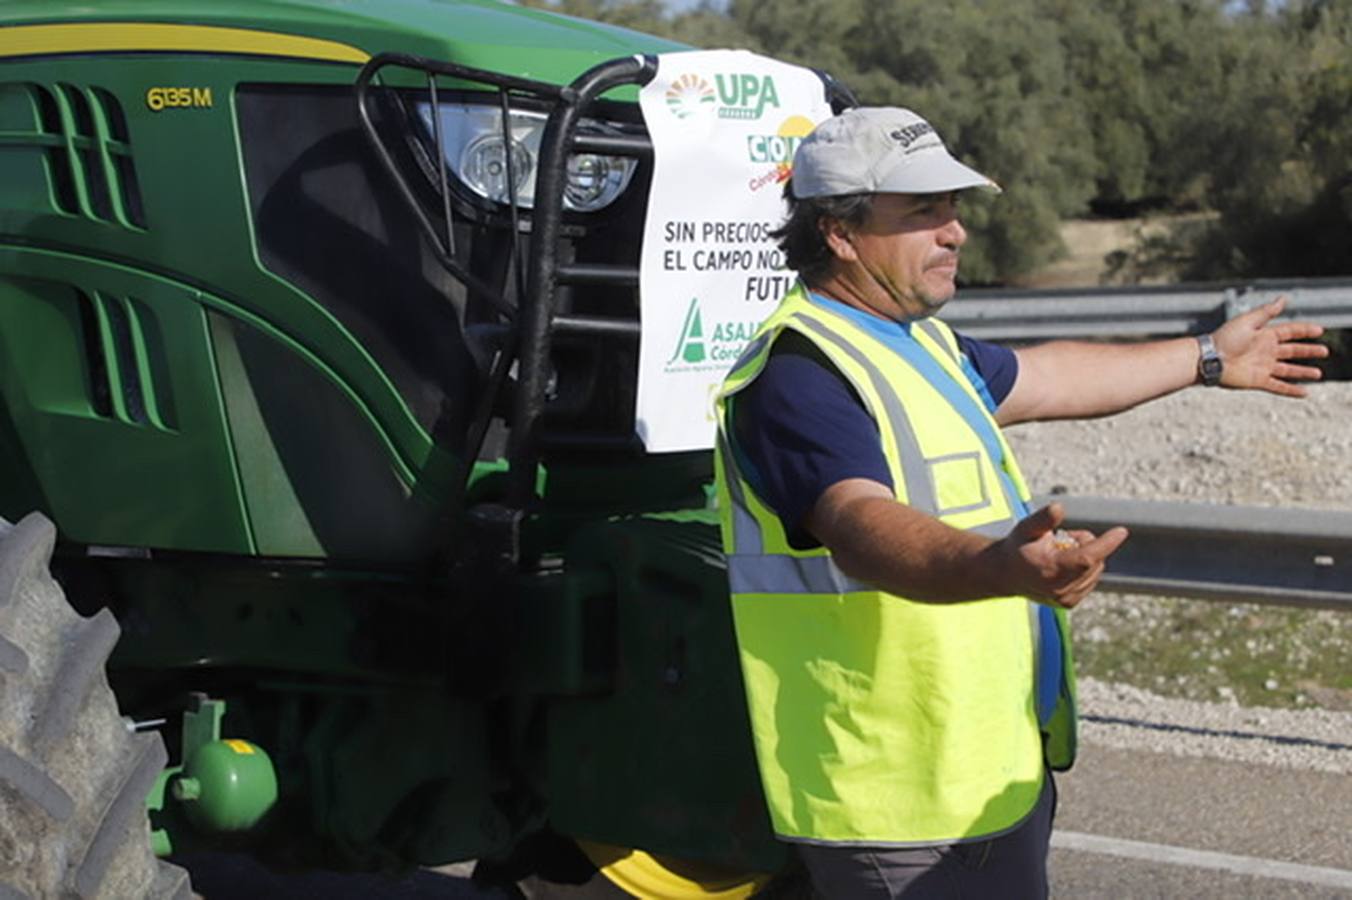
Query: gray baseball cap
[879,150]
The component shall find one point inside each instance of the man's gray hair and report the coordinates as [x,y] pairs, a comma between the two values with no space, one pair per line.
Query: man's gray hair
[800,237]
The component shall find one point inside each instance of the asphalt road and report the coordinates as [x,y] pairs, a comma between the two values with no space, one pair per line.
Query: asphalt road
[1233,830]
[1244,816]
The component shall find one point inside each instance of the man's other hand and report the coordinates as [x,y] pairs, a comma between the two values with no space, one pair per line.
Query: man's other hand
[1046,567]
[1256,351]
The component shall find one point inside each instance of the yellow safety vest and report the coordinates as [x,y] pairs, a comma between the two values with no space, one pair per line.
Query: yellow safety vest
[880,720]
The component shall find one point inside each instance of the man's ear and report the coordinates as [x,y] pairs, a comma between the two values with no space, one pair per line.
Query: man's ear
[837,238]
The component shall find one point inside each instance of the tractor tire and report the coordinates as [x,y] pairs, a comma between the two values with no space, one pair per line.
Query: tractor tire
[619,873]
[73,776]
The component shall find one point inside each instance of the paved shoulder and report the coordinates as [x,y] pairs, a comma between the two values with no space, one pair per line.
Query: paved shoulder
[1202,800]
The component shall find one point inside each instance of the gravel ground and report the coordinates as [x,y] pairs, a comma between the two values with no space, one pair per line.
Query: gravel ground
[1225,671]
[1206,446]
[1128,718]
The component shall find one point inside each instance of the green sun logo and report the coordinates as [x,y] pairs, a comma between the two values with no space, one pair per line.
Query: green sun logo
[688,95]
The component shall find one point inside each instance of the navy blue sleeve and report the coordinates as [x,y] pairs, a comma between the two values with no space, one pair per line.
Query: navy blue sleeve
[996,364]
[798,429]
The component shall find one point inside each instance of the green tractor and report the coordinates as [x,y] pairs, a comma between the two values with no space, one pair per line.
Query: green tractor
[330,398]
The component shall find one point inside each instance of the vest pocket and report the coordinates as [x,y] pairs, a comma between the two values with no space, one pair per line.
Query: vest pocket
[959,483]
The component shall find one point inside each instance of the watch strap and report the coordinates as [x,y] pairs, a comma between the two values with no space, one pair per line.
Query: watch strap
[1209,365]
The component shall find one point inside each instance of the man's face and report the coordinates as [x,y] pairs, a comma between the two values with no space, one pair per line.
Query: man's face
[903,260]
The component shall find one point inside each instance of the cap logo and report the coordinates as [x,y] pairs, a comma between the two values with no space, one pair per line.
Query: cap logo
[909,134]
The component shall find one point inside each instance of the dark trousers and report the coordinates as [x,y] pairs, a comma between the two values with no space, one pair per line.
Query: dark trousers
[1012,866]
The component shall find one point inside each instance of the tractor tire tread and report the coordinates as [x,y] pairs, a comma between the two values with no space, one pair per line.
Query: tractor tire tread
[82,662]
[13,661]
[118,824]
[27,547]
[31,783]
[73,777]
[171,883]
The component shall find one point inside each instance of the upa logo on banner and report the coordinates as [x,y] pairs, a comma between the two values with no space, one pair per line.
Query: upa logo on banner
[697,349]
[739,95]
[778,150]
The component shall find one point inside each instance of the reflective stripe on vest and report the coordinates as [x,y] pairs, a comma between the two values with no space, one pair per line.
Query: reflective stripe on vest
[919,486]
[880,720]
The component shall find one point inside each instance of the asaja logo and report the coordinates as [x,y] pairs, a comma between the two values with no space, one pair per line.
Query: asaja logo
[688,95]
[690,345]
[777,149]
[740,96]
[696,349]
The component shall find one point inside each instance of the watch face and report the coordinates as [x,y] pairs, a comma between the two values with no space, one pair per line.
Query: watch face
[1211,369]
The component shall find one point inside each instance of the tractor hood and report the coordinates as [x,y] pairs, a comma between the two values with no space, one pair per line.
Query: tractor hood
[484,34]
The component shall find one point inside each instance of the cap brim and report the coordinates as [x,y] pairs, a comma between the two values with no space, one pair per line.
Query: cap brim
[935,174]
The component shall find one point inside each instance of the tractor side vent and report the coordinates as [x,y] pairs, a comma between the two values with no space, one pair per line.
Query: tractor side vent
[96,361]
[125,361]
[77,138]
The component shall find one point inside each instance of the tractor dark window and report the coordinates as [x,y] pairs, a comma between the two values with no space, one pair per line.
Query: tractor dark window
[328,221]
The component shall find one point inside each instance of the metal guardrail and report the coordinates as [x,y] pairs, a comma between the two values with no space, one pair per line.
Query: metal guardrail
[1028,315]
[1288,557]
[1291,557]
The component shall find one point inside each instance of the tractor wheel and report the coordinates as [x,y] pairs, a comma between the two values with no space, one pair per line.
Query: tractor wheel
[73,777]
[652,877]
[621,873]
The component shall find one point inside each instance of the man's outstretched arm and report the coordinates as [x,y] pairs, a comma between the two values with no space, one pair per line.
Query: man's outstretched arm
[1074,379]
[875,539]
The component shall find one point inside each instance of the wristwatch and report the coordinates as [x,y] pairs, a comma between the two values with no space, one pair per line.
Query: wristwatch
[1209,365]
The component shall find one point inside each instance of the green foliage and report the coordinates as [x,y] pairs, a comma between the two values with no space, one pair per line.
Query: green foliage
[1279,144]
[1111,106]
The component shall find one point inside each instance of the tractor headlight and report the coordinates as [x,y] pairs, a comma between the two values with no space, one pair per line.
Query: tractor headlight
[477,154]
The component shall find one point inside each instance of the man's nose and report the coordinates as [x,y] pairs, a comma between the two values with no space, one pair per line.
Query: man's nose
[952,234]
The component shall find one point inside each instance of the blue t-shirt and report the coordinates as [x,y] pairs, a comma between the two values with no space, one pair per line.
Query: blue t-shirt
[799,427]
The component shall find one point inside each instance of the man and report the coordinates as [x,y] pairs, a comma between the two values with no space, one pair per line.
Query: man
[900,609]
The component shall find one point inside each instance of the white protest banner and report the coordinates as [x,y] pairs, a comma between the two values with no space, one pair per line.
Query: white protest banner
[724,126]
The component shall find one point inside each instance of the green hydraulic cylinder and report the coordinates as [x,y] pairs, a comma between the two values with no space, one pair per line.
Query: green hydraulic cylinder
[226,786]
[223,786]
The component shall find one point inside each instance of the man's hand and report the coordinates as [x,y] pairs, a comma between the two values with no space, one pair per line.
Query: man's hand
[1255,351]
[1045,566]
[905,552]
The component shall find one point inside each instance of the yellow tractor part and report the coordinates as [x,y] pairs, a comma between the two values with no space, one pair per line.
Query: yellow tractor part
[650,877]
